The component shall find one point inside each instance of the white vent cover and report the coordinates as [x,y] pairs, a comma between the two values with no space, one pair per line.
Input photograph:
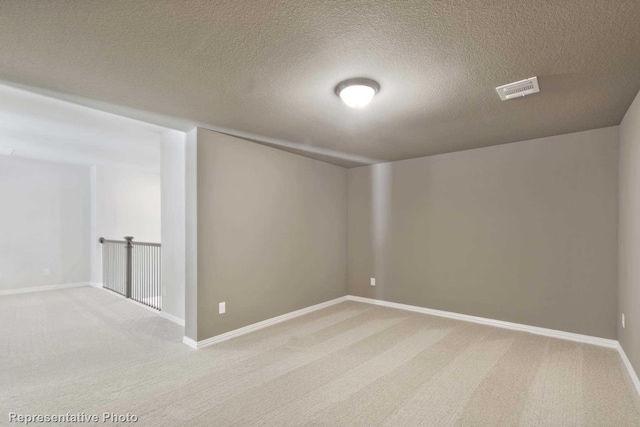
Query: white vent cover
[6,151]
[516,89]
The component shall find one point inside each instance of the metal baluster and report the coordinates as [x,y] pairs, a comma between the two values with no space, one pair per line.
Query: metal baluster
[120,287]
[160,279]
[133,273]
[146,282]
[159,267]
[136,261]
[136,264]
[133,270]
[155,275]
[120,270]
[105,265]
[155,268]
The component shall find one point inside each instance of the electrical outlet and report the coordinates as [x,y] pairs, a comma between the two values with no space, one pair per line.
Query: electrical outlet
[373,281]
[47,272]
[623,325]
[222,308]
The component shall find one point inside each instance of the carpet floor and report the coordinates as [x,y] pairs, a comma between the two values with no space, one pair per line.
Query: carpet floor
[353,364]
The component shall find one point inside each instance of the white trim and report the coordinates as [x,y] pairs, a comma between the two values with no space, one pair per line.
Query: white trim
[43,288]
[587,339]
[160,313]
[191,343]
[107,290]
[263,324]
[174,319]
[632,373]
[553,333]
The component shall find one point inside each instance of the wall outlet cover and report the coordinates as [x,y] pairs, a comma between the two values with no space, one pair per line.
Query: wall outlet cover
[373,281]
[222,308]
[623,325]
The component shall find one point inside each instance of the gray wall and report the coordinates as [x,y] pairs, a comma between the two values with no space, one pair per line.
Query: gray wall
[629,234]
[44,223]
[523,232]
[271,232]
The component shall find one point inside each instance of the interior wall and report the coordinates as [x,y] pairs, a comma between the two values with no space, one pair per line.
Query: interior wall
[126,203]
[173,222]
[523,232]
[629,235]
[191,236]
[271,232]
[44,223]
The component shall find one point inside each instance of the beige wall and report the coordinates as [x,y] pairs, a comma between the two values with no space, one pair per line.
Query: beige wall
[271,232]
[629,235]
[524,232]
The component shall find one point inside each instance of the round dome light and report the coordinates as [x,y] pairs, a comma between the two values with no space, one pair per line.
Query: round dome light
[357,93]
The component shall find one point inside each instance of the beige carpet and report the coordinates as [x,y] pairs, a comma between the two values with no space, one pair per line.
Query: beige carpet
[84,350]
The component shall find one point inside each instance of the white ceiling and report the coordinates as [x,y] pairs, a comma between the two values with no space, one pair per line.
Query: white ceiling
[41,127]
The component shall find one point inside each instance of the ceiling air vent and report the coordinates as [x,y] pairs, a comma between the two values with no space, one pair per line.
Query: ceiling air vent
[521,88]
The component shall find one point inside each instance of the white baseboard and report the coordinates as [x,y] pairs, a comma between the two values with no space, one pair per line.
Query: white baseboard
[43,288]
[587,339]
[553,333]
[174,319]
[160,313]
[191,343]
[109,291]
[627,364]
[254,327]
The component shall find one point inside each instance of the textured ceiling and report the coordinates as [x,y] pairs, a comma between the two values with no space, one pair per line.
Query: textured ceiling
[266,70]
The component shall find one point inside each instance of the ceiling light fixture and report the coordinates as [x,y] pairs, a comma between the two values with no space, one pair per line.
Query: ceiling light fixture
[357,93]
